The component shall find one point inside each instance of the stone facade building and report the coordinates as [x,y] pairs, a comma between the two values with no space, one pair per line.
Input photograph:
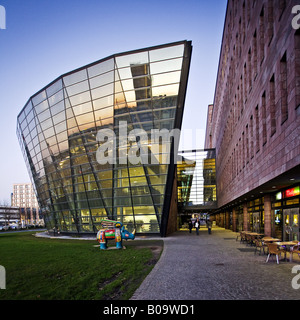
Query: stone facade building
[254,121]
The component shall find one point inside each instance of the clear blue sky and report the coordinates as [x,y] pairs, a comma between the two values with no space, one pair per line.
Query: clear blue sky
[44,39]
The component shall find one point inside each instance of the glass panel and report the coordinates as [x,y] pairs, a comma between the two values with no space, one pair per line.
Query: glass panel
[130,96]
[46,124]
[138,181]
[105,122]
[104,113]
[80,98]
[141,210]
[21,117]
[59,117]
[56,98]
[41,107]
[85,118]
[103,102]
[132,59]
[48,133]
[165,66]
[62,136]
[54,88]
[34,131]
[121,182]
[83,108]
[43,116]
[58,108]
[102,80]
[75,77]
[63,146]
[77,88]
[39,97]
[166,53]
[30,116]
[61,127]
[101,67]
[166,78]
[139,191]
[158,179]
[170,90]
[124,73]
[157,169]
[28,108]
[103,91]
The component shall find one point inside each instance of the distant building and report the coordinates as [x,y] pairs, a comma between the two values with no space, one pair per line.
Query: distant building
[254,121]
[9,215]
[23,196]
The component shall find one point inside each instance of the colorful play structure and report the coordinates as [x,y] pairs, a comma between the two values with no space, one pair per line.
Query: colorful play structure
[113,230]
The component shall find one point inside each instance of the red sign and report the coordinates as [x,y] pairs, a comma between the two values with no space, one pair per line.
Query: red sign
[292,192]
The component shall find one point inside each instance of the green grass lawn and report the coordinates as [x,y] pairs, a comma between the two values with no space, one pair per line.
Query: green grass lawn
[53,269]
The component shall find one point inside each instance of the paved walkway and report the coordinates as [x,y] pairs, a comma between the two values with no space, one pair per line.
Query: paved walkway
[216,267]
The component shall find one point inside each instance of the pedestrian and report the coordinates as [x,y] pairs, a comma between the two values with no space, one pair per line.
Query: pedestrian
[197,226]
[190,225]
[208,224]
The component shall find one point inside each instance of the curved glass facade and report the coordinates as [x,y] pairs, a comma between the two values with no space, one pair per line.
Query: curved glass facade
[61,131]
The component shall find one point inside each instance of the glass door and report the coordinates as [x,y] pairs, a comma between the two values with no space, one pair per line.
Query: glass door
[256,222]
[291,224]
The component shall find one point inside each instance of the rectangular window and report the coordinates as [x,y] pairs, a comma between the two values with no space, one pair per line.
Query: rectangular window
[264,118]
[282,6]
[247,144]
[242,96]
[251,138]
[257,129]
[297,68]
[245,81]
[270,21]
[262,35]
[249,70]
[283,89]
[272,105]
[255,71]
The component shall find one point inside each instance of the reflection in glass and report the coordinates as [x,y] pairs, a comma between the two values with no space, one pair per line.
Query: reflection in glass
[58,127]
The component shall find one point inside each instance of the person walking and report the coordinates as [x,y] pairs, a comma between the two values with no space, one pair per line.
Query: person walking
[197,226]
[209,224]
[190,225]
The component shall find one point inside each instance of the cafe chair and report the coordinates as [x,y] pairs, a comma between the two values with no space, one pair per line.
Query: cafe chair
[274,250]
[296,250]
[248,239]
[259,245]
[243,236]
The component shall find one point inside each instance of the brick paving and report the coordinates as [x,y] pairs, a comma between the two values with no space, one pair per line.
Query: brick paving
[216,267]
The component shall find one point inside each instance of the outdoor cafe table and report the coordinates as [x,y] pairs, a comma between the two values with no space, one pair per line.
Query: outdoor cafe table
[269,239]
[255,234]
[289,244]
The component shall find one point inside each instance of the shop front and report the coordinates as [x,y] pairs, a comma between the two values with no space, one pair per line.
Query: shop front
[256,215]
[286,214]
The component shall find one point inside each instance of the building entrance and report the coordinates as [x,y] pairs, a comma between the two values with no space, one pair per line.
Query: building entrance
[291,224]
[256,222]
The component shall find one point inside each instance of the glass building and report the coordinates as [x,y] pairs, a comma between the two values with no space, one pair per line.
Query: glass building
[196,179]
[77,135]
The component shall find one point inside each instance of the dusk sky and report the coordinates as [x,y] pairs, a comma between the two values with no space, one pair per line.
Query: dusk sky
[44,39]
